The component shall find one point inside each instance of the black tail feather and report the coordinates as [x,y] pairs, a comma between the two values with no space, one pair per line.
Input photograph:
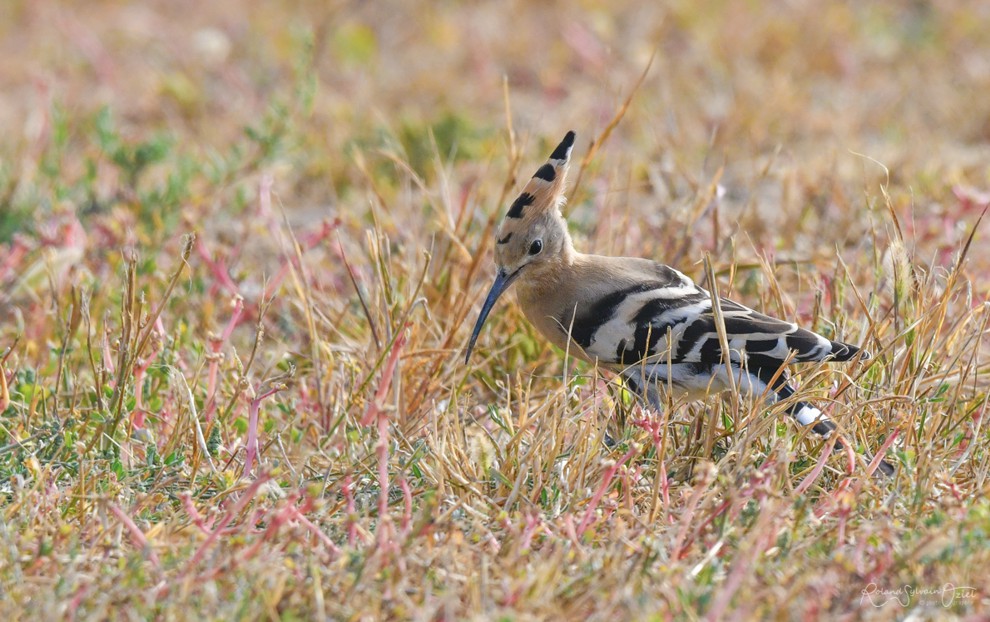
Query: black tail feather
[846,352]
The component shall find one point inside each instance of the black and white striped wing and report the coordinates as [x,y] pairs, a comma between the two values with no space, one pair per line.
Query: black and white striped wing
[763,342]
[673,319]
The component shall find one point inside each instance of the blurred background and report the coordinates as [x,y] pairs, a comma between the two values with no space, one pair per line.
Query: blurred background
[795,108]
[807,82]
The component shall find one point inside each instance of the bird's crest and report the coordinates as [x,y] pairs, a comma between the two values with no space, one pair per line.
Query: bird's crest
[545,190]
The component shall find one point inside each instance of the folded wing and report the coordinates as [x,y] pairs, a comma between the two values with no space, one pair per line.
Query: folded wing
[671,318]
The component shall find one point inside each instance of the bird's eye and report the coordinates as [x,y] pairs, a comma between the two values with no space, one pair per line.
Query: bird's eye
[536,247]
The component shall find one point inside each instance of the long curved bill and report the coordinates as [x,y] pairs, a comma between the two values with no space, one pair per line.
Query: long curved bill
[502,282]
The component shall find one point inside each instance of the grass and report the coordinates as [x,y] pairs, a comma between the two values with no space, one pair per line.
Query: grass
[241,252]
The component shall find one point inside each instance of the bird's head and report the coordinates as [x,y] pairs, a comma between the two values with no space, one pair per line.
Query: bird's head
[533,232]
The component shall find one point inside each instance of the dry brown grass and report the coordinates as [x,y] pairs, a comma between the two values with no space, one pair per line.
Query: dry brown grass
[241,248]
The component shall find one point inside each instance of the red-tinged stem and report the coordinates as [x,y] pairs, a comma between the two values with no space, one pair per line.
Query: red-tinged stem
[533,523]
[218,268]
[406,524]
[137,536]
[743,566]
[306,242]
[815,472]
[265,197]
[77,600]
[107,358]
[251,449]
[606,482]
[4,390]
[701,528]
[275,520]
[316,531]
[655,428]
[970,198]
[384,519]
[351,511]
[276,280]
[235,317]
[569,530]
[494,547]
[140,370]
[850,457]
[688,517]
[194,514]
[242,501]
[12,258]
[327,227]
[664,484]
[833,499]
[374,413]
[215,346]
[878,458]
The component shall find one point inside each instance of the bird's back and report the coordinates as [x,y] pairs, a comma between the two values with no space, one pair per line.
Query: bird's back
[622,311]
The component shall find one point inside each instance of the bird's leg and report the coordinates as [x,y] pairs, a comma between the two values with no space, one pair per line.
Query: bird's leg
[806,413]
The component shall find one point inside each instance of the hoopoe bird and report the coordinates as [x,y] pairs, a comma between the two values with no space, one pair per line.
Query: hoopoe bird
[644,320]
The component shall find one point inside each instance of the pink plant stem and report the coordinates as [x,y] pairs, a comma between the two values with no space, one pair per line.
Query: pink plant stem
[316,531]
[216,345]
[970,198]
[655,428]
[12,258]
[275,520]
[265,198]
[251,447]
[276,281]
[743,565]
[306,242]
[242,501]
[107,358]
[406,524]
[569,529]
[384,520]
[218,267]
[327,227]
[352,531]
[870,470]
[834,499]
[606,482]
[4,389]
[850,457]
[194,514]
[137,536]
[375,412]
[815,472]
[140,370]
[711,517]
[687,518]
[77,600]
[664,485]
[533,523]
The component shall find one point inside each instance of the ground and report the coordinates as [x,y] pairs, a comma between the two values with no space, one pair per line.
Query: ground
[242,246]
